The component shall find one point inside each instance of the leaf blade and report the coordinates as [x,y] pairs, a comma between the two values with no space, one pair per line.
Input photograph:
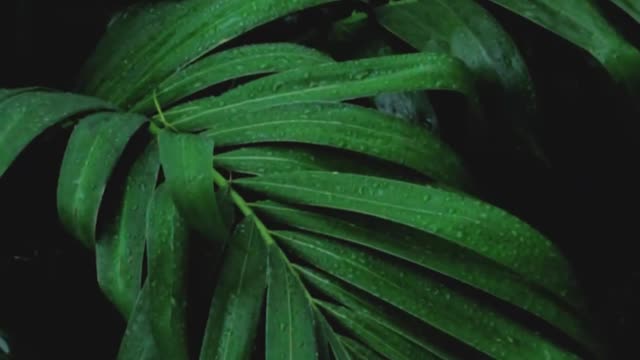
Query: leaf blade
[329,82]
[93,150]
[154,40]
[474,323]
[167,259]
[27,115]
[477,226]
[437,255]
[285,288]
[466,30]
[631,7]
[187,163]
[120,250]
[235,308]
[582,23]
[375,336]
[231,64]
[138,342]
[346,127]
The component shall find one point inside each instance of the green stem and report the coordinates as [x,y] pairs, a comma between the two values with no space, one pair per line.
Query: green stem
[243,206]
[163,121]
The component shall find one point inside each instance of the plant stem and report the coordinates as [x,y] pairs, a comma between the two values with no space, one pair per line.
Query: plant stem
[244,208]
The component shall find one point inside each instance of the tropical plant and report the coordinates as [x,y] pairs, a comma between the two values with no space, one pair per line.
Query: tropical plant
[326,221]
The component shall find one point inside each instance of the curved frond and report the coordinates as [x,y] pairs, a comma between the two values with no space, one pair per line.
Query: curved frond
[94,149]
[26,115]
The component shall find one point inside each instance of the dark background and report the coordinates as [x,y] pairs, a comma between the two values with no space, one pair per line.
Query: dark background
[49,301]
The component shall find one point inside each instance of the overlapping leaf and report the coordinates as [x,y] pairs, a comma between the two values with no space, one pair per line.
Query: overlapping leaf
[462,220]
[167,249]
[329,82]
[632,7]
[359,351]
[120,249]
[376,336]
[466,30]
[93,151]
[273,159]
[395,321]
[26,115]
[232,64]
[138,342]
[397,265]
[346,127]
[447,309]
[438,255]
[581,22]
[145,45]
[235,309]
[187,162]
[290,329]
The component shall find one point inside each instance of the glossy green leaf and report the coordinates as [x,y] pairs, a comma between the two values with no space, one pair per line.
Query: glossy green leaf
[347,127]
[359,351]
[226,205]
[379,338]
[420,294]
[273,159]
[290,329]
[269,159]
[138,342]
[232,64]
[581,22]
[398,322]
[326,332]
[8,93]
[167,250]
[187,163]
[329,82]
[237,301]
[467,31]
[438,255]
[147,44]
[632,7]
[120,249]
[95,147]
[27,115]
[465,221]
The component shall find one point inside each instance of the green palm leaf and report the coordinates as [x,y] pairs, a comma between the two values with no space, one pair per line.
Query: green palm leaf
[186,164]
[153,40]
[328,82]
[346,127]
[167,258]
[419,295]
[94,149]
[232,64]
[286,157]
[26,115]
[581,22]
[290,321]
[438,255]
[373,250]
[376,336]
[138,342]
[359,351]
[467,31]
[630,6]
[235,308]
[398,322]
[462,220]
[120,249]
